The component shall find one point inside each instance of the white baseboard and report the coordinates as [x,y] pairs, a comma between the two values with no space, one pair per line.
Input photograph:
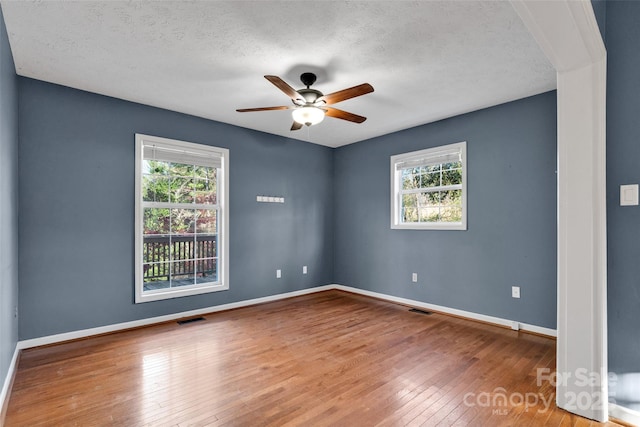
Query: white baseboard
[624,414]
[52,339]
[4,394]
[442,309]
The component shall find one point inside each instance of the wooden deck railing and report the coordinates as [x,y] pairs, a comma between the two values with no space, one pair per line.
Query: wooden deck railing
[158,247]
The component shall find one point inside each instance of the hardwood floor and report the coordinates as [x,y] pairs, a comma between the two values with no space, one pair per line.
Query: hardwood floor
[330,358]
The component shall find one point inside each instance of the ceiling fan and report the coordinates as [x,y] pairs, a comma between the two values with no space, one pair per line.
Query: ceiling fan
[310,105]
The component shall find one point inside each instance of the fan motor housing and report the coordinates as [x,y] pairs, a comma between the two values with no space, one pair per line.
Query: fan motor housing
[310,95]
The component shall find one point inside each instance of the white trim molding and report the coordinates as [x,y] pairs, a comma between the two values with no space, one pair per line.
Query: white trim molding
[4,394]
[498,321]
[566,31]
[85,333]
[624,414]
[582,241]
[568,34]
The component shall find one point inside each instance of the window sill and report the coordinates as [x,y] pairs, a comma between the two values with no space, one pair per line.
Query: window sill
[177,292]
[438,226]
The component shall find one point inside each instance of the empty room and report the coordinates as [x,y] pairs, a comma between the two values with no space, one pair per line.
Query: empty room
[319,213]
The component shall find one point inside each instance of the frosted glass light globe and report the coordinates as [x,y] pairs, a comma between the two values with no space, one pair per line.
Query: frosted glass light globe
[308,115]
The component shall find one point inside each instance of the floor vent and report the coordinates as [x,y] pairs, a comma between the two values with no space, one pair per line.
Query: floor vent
[193,319]
[417,310]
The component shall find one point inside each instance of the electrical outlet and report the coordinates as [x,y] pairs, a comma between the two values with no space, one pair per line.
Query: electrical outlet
[304,269]
[278,274]
[515,291]
[414,277]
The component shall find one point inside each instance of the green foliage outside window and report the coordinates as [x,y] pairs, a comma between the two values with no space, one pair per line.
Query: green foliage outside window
[177,183]
[433,204]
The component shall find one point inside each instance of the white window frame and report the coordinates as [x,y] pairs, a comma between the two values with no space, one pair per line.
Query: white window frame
[396,185]
[223,221]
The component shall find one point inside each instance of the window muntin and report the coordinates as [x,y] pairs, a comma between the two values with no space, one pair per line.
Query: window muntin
[428,188]
[180,218]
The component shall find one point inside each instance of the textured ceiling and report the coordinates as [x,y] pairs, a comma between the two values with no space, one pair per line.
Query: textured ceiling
[427,60]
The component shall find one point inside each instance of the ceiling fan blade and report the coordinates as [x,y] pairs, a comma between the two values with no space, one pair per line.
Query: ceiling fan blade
[283,86]
[344,115]
[296,126]
[342,95]
[246,110]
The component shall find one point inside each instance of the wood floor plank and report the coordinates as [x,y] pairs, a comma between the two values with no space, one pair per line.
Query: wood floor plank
[329,358]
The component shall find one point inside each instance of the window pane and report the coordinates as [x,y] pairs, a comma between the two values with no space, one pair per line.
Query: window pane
[205,172]
[451,214]
[422,214]
[155,188]
[205,198]
[429,199]
[206,246]
[431,215]
[207,270]
[206,221]
[182,247]
[409,215]
[155,248]
[453,165]
[182,273]
[156,276]
[156,221]
[451,198]
[430,169]
[154,167]
[181,190]
[430,180]
[409,200]
[452,177]
[410,181]
[205,191]
[182,221]
[156,271]
[181,169]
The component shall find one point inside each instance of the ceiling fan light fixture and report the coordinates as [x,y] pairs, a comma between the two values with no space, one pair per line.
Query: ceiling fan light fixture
[308,115]
[310,105]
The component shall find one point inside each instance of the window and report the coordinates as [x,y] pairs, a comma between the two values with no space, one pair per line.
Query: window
[181,218]
[428,189]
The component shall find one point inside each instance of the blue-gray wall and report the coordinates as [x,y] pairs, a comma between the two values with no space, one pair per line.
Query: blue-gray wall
[76,212]
[76,200]
[600,11]
[8,203]
[623,167]
[511,236]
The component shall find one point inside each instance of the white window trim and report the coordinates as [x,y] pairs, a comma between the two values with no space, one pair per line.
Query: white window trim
[223,224]
[396,182]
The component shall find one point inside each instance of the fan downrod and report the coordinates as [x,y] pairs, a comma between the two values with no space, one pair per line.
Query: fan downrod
[307,79]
